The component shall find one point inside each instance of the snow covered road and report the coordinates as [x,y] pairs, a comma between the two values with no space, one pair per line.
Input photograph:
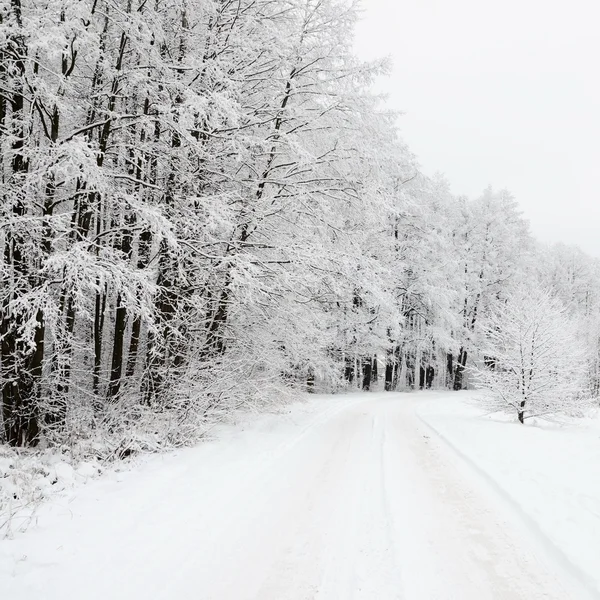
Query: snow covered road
[354,499]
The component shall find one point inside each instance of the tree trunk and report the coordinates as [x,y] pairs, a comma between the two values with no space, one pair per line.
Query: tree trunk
[366,373]
[521,413]
[310,381]
[162,350]
[117,351]
[143,254]
[119,331]
[430,375]
[388,384]
[216,321]
[411,375]
[21,362]
[459,369]
[349,369]
[99,308]
[449,369]
[389,376]
[19,406]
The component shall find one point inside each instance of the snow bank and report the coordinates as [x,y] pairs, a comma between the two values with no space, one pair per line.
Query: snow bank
[157,507]
[31,478]
[547,471]
[27,479]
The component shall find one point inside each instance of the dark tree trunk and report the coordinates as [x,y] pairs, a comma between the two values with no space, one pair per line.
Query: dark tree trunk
[449,369]
[310,381]
[19,405]
[117,353]
[521,413]
[100,307]
[388,385]
[20,364]
[430,374]
[399,357]
[162,349]
[62,366]
[421,377]
[459,369]
[119,333]
[136,327]
[134,346]
[349,369]
[150,379]
[215,342]
[366,374]
[375,370]
[410,370]
[390,364]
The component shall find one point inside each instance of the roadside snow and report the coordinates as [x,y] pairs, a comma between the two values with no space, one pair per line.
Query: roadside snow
[36,482]
[147,507]
[549,473]
[340,498]
[28,479]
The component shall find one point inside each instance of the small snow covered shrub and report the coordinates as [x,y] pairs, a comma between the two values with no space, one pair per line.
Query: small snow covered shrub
[535,365]
[28,477]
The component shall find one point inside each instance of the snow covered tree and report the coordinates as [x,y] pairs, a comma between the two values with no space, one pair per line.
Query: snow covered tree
[533,360]
[424,285]
[491,241]
[574,278]
[203,200]
[182,194]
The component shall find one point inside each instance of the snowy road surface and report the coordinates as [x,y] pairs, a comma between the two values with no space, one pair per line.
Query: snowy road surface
[355,499]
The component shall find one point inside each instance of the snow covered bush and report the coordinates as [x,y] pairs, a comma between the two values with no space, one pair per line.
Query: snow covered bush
[534,364]
[28,477]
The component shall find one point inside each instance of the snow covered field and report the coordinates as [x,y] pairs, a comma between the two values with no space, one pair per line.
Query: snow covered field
[347,497]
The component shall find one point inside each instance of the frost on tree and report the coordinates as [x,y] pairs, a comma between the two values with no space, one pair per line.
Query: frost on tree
[534,363]
[203,205]
[191,194]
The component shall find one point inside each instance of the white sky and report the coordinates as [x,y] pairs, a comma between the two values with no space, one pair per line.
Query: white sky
[504,93]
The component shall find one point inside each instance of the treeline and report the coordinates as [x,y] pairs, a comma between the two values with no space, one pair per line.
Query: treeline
[202,204]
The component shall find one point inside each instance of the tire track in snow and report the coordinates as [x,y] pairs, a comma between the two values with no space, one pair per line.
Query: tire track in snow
[357,505]
[262,489]
[576,578]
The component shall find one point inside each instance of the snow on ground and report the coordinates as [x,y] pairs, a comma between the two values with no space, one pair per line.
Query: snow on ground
[347,497]
[548,472]
[28,479]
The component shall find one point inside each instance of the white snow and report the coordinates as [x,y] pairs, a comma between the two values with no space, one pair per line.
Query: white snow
[348,497]
[547,472]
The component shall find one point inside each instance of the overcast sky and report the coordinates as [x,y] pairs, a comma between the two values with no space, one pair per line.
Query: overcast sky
[503,93]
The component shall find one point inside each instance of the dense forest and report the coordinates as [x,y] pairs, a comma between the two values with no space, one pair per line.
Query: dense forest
[203,206]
